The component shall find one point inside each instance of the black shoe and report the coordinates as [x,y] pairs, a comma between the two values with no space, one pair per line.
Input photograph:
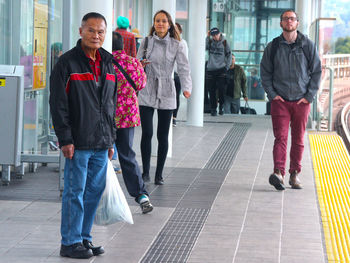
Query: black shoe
[95,250]
[174,122]
[221,112]
[159,181]
[276,179]
[213,113]
[76,250]
[146,177]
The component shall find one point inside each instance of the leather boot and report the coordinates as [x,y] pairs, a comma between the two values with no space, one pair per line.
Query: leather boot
[294,181]
[277,180]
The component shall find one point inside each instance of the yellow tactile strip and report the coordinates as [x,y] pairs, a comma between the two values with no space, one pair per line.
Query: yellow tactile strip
[332,175]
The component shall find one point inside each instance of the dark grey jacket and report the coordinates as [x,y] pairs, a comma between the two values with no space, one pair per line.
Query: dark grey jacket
[292,76]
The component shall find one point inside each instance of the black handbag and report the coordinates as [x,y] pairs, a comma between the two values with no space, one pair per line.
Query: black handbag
[247,110]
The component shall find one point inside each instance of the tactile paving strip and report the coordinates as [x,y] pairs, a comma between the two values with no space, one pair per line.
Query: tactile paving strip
[332,175]
[178,236]
[175,241]
[224,155]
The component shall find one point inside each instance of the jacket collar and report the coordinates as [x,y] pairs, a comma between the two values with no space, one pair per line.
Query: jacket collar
[119,54]
[166,38]
[300,38]
[105,55]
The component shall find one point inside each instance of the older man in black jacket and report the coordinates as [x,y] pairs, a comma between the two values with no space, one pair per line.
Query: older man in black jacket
[83,102]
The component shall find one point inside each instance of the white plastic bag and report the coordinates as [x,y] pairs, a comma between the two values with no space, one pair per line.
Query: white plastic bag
[113,206]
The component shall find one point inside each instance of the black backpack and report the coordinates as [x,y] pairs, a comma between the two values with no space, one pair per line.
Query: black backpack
[275,46]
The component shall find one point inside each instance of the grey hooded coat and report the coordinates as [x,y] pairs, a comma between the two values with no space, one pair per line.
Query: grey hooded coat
[162,53]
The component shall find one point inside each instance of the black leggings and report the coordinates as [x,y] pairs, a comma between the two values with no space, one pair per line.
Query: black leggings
[164,118]
[178,92]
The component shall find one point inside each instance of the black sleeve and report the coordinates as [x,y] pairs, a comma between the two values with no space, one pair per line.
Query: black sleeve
[59,106]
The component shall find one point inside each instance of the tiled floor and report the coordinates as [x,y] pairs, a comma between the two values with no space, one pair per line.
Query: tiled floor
[246,220]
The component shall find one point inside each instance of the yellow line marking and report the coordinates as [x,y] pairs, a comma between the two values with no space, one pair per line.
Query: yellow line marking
[331,162]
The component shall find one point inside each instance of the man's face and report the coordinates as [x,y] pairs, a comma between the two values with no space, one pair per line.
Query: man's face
[233,60]
[289,22]
[216,37]
[93,33]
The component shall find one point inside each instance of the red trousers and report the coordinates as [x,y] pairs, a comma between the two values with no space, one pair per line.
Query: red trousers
[284,114]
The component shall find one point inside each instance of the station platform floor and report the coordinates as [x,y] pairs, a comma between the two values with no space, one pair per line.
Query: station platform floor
[216,205]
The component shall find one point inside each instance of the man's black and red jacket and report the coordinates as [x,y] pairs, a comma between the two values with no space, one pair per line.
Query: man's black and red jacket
[82,113]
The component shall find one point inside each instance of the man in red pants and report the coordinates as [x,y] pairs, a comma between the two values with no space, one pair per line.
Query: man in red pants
[290,72]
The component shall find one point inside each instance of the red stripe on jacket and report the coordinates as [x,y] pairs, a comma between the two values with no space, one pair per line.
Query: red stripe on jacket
[110,77]
[82,76]
[85,76]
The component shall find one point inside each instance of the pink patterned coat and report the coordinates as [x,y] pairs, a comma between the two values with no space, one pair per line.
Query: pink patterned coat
[127,113]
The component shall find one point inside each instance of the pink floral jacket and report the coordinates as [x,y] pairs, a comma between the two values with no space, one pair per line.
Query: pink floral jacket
[127,113]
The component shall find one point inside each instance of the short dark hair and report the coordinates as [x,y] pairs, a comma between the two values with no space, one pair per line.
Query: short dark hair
[93,15]
[289,10]
[179,27]
[117,42]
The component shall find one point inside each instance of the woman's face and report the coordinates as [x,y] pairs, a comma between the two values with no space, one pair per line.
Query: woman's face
[161,24]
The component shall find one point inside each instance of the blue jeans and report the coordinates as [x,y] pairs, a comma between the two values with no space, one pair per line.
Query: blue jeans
[84,182]
[231,105]
[131,171]
[115,155]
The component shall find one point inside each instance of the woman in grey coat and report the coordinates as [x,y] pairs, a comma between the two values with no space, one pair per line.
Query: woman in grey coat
[158,53]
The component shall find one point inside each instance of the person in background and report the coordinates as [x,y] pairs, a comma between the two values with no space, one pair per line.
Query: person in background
[176,76]
[291,80]
[56,52]
[136,32]
[256,91]
[128,37]
[236,87]
[83,96]
[126,118]
[219,62]
[163,49]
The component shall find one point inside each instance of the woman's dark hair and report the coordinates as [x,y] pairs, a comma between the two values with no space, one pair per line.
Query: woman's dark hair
[172,30]
[93,15]
[179,27]
[117,42]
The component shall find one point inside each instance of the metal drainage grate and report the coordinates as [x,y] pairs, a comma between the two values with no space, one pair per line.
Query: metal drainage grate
[177,238]
[224,155]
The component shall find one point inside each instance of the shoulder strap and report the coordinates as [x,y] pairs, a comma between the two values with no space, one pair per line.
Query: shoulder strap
[306,51]
[132,83]
[145,48]
[274,47]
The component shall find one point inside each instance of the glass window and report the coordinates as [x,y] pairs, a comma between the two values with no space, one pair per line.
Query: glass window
[182,16]
[5,37]
[248,26]
[26,40]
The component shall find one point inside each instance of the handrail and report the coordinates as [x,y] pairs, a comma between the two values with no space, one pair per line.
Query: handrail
[345,125]
[330,106]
